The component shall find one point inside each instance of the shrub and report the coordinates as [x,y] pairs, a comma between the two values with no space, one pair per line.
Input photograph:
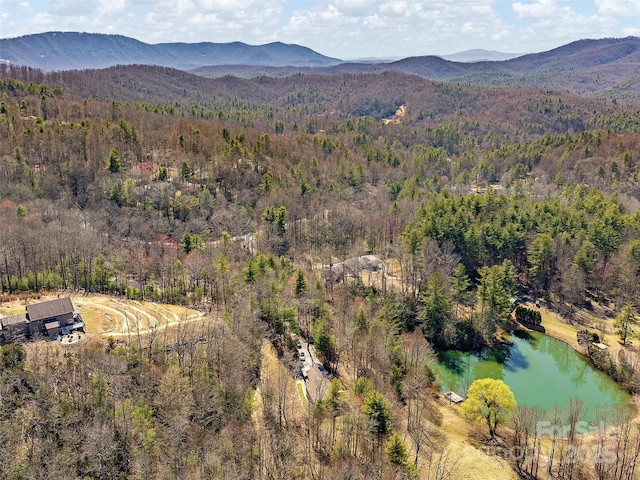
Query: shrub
[526,315]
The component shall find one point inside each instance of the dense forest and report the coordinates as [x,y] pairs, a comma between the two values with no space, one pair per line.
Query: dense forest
[237,197]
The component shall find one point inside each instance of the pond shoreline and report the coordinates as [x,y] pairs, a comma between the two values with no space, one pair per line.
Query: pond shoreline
[559,328]
[542,371]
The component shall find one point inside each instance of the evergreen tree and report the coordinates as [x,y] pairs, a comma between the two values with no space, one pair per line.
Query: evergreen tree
[250,271]
[436,311]
[460,284]
[625,323]
[378,411]
[541,261]
[185,171]
[115,162]
[396,451]
[190,242]
[495,289]
[361,323]
[300,283]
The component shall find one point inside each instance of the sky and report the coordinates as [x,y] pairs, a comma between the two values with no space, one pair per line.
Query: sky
[345,29]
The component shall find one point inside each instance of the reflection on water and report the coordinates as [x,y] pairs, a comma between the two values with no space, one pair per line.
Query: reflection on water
[540,370]
[517,360]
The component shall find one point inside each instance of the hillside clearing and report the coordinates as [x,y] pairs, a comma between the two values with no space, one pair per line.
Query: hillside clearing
[112,316]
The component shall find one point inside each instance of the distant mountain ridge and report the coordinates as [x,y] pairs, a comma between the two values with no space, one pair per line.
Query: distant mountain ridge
[78,51]
[607,67]
[480,55]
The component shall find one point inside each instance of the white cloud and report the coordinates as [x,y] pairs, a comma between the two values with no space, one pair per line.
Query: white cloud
[501,36]
[318,21]
[71,8]
[399,26]
[395,8]
[565,29]
[110,7]
[355,8]
[461,9]
[538,9]
[473,28]
[24,8]
[250,9]
[549,23]
[374,21]
[618,7]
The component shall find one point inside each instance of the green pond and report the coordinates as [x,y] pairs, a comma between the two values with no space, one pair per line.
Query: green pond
[540,370]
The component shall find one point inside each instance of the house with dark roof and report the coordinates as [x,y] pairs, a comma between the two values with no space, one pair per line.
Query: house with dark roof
[48,319]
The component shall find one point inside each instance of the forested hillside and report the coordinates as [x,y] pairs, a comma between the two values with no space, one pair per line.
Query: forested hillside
[237,197]
[66,50]
[604,68]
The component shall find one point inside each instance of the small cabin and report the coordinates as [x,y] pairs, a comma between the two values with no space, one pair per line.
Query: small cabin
[453,397]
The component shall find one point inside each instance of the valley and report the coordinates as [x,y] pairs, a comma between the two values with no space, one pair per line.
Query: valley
[205,226]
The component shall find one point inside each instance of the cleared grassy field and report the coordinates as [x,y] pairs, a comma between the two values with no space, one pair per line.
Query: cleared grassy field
[116,317]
